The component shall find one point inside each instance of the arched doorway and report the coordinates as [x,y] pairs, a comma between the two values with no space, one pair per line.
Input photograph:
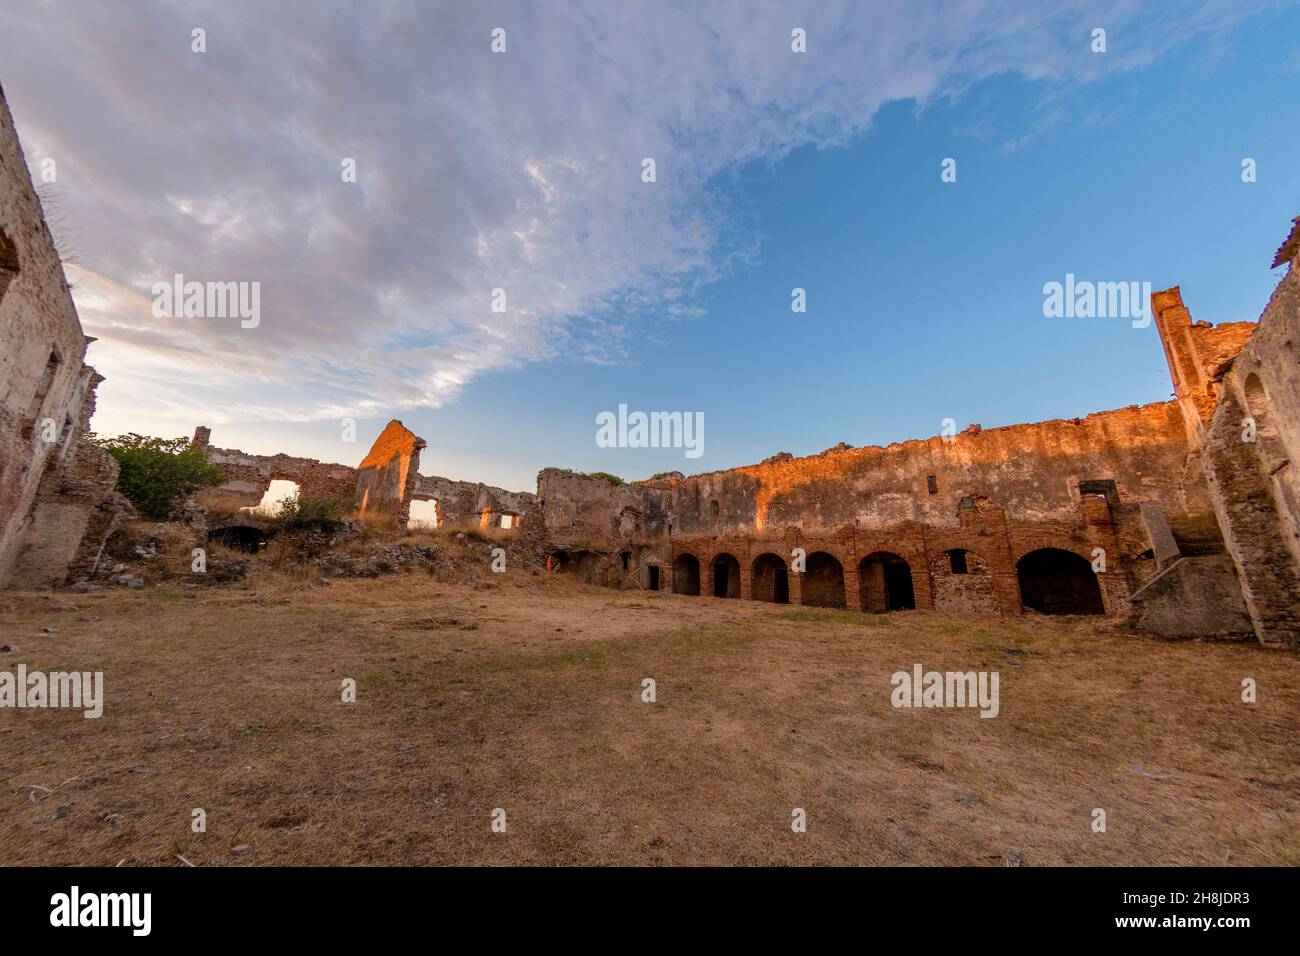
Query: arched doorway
[823,581]
[885,583]
[726,576]
[771,580]
[1056,581]
[686,575]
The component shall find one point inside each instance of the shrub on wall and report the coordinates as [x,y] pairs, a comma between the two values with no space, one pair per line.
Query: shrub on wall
[158,473]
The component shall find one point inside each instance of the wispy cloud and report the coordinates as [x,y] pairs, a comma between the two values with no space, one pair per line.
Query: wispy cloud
[476,171]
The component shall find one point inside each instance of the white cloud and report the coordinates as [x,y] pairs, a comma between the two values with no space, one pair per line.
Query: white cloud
[476,171]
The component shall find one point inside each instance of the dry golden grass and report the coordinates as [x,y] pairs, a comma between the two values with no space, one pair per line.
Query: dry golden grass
[523,692]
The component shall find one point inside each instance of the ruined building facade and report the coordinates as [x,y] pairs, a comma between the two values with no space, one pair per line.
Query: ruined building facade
[384,486]
[1183,516]
[57,503]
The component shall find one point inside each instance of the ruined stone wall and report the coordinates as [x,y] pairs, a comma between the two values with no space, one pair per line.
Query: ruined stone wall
[1256,483]
[55,489]
[472,502]
[386,476]
[1197,353]
[879,526]
[385,483]
[592,523]
[583,509]
[249,476]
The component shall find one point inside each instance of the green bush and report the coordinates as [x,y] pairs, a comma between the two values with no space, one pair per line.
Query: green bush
[302,511]
[157,473]
[612,479]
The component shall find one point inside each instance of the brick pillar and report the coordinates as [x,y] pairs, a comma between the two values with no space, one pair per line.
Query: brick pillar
[921,590]
[746,583]
[852,592]
[1006,585]
[876,601]
[706,580]
[796,587]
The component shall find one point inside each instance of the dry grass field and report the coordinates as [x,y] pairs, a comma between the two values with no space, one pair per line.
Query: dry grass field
[524,692]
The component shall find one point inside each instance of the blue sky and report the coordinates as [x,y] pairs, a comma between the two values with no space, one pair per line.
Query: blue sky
[924,298]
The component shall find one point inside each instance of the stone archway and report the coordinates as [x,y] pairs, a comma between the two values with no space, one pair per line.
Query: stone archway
[885,583]
[770,579]
[823,581]
[726,576]
[686,575]
[1056,581]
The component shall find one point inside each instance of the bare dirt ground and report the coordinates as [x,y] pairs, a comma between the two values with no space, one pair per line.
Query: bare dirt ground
[523,692]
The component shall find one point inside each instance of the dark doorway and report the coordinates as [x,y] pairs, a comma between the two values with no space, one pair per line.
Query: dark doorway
[686,575]
[823,581]
[885,582]
[1055,581]
[239,537]
[771,581]
[726,576]
[654,577]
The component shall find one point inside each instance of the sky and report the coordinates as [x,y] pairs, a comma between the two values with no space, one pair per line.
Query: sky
[523,171]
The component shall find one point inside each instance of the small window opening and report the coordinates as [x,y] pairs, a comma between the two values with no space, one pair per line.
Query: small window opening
[932,483]
[1100,488]
[957,558]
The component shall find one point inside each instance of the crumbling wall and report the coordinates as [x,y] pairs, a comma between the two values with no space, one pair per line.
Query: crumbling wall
[249,476]
[999,493]
[55,488]
[970,591]
[1197,353]
[473,502]
[386,476]
[1251,446]
[580,509]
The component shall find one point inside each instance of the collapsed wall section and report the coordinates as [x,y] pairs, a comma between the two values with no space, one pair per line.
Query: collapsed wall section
[386,476]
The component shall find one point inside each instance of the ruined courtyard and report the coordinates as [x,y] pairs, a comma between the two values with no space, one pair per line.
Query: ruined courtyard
[1131,575]
[524,692]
